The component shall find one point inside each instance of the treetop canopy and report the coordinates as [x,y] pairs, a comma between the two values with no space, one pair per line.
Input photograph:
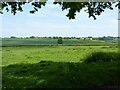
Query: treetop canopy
[92,7]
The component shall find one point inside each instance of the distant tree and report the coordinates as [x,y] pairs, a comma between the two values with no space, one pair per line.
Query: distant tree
[78,38]
[65,38]
[32,36]
[13,37]
[55,37]
[50,37]
[60,41]
[89,36]
[100,38]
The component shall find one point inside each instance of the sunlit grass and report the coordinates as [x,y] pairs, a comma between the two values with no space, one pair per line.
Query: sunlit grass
[34,54]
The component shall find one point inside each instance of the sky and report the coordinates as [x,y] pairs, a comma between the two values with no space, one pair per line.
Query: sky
[50,20]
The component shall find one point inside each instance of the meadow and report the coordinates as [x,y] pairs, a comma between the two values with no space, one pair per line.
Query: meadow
[60,66]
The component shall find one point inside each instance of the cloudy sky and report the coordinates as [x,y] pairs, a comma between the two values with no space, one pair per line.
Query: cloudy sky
[50,20]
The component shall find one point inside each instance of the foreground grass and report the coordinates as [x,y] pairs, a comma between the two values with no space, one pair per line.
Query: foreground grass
[48,74]
[60,67]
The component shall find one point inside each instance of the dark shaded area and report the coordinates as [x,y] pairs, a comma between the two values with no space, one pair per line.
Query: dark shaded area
[48,74]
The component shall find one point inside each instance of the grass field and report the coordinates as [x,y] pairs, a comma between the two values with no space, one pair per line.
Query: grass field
[60,67]
[34,54]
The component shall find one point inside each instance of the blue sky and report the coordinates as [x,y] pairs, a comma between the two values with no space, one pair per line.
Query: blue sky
[50,20]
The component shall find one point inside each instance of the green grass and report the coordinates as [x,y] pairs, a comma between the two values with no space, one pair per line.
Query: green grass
[17,41]
[59,67]
[48,74]
[34,54]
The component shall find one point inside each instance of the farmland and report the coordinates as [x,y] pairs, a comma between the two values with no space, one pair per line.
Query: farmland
[35,63]
[50,41]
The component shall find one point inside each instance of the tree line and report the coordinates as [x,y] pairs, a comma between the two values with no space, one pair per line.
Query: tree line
[57,37]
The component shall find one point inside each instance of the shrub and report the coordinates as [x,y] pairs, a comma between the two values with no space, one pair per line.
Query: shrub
[102,57]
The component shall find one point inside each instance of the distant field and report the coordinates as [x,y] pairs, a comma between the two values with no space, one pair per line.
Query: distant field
[47,41]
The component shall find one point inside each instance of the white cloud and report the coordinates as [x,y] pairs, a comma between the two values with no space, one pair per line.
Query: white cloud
[51,5]
[36,15]
[48,11]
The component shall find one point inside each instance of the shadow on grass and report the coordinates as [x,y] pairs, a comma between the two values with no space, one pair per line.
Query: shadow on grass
[48,74]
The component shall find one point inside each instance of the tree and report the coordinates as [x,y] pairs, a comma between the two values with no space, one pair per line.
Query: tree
[13,37]
[60,41]
[32,36]
[92,8]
